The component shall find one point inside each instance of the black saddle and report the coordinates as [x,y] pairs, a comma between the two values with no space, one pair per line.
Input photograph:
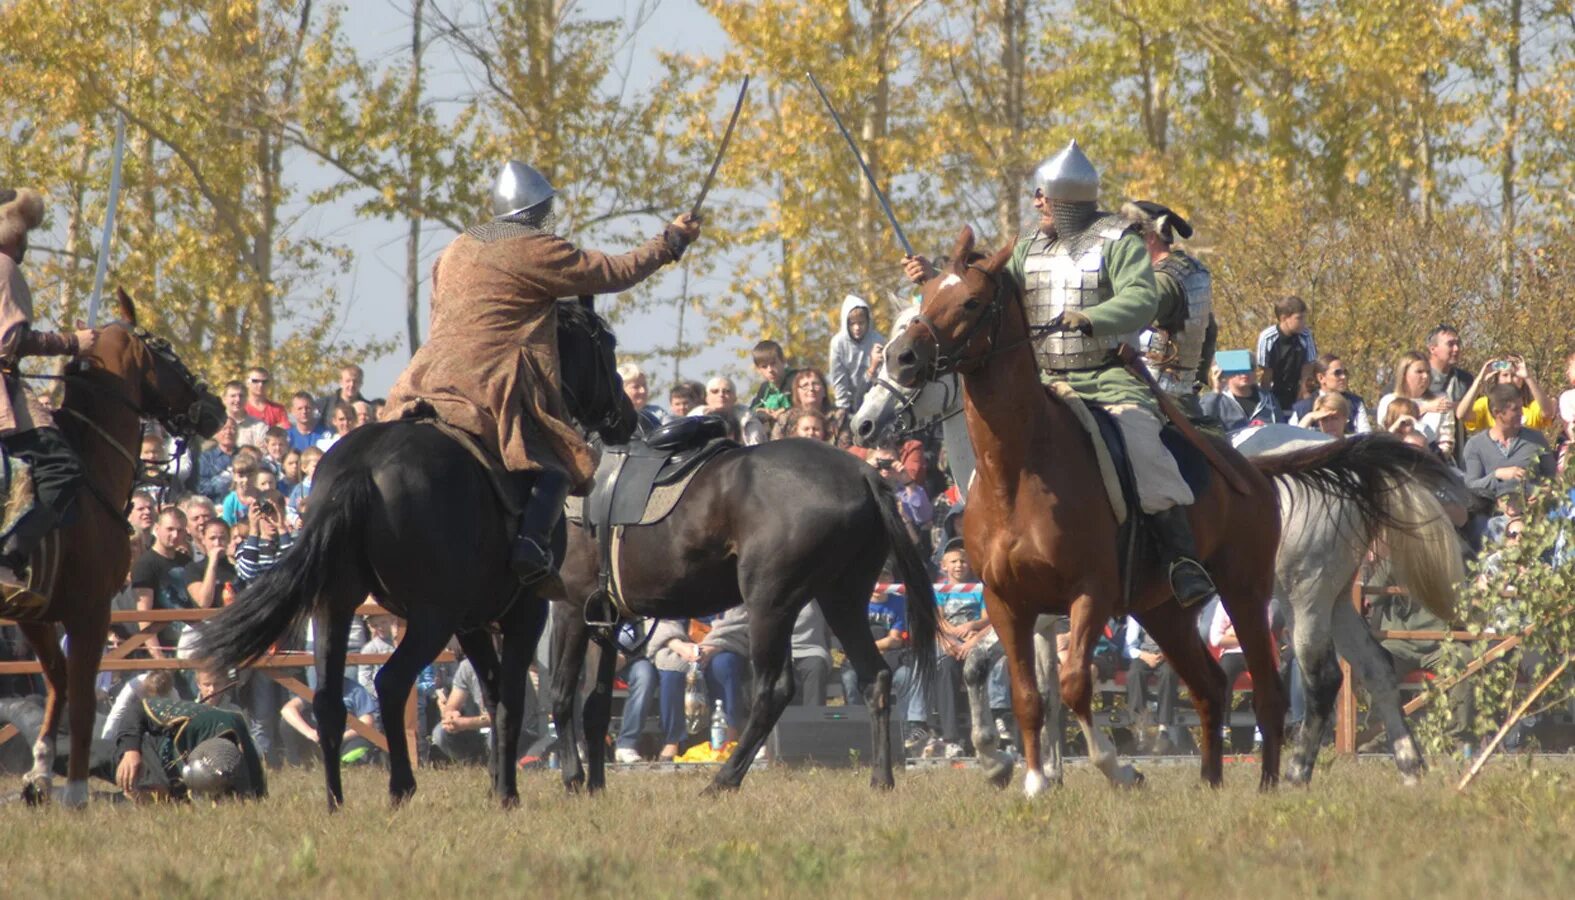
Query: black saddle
[625,479]
[1134,540]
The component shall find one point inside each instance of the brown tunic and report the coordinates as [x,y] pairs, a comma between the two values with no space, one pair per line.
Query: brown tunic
[20,410]
[490,364]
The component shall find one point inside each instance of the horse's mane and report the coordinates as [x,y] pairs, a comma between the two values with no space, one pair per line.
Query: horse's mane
[575,314]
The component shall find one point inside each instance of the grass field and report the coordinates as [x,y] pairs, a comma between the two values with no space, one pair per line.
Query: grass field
[1357,832]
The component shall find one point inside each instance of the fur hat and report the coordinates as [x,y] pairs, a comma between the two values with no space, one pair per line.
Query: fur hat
[1158,219]
[20,212]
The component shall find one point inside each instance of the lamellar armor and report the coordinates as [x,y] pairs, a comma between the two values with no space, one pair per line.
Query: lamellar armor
[1174,356]
[1061,275]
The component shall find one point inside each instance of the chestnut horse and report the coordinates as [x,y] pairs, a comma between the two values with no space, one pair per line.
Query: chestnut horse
[129,375]
[1041,533]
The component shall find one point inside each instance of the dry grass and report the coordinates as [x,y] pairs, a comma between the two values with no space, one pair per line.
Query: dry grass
[820,833]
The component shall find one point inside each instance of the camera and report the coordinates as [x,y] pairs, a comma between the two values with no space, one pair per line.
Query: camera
[1502,365]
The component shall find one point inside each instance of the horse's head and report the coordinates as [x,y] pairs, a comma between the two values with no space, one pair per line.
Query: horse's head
[959,318]
[161,386]
[588,357]
[887,405]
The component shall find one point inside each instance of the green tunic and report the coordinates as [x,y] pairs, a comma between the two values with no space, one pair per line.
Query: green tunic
[1129,303]
[178,726]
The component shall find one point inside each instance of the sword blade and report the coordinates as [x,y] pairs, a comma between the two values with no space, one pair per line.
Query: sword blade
[109,222]
[868,175]
[721,150]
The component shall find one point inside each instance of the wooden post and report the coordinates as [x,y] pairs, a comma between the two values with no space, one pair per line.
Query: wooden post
[1345,713]
[412,728]
[1345,704]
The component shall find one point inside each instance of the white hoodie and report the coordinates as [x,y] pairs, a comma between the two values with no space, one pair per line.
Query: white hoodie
[850,359]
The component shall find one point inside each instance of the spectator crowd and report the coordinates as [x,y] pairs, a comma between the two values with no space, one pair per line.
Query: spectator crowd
[207,520]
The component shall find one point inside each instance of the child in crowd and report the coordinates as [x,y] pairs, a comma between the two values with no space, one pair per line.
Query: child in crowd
[771,396]
[296,505]
[853,349]
[276,443]
[1284,348]
[236,503]
[289,472]
[682,399]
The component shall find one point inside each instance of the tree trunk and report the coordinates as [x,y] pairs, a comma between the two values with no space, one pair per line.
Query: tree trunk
[1008,205]
[413,237]
[1506,169]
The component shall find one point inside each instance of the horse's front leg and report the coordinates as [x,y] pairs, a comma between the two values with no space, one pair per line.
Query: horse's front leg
[39,781]
[1088,617]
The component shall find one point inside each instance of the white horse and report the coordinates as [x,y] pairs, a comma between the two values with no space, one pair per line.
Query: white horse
[1325,536]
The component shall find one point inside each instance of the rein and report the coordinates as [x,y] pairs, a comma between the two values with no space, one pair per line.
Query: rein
[182,425]
[908,397]
[949,360]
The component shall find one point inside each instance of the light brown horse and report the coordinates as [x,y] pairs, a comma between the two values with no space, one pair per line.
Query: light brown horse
[1041,532]
[129,375]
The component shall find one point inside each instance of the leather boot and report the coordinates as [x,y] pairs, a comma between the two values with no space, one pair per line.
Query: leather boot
[531,557]
[1188,579]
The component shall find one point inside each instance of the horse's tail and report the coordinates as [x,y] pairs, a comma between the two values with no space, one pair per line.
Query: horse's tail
[281,598]
[1393,487]
[923,618]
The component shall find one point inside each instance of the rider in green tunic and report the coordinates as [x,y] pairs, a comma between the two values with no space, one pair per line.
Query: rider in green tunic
[196,749]
[1085,273]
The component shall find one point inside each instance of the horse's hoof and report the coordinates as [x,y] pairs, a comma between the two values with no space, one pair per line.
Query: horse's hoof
[509,802]
[1000,774]
[1034,783]
[36,791]
[717,789]
[1132,777]
[883,782]
[398,797]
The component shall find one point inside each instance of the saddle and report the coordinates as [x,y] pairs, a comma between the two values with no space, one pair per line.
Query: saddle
[639,484]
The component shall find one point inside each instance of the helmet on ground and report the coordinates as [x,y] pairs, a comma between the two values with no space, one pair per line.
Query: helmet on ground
[215,768]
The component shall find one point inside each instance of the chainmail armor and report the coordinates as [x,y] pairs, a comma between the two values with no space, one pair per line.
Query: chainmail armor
[1175,362]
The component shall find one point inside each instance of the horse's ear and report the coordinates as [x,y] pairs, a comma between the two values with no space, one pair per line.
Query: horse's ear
[998,262]
[961,252]
[589,302]
[128,310]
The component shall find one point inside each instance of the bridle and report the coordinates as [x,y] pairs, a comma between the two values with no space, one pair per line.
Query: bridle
[907,419]
[949,358]
[183,425]
[608,391]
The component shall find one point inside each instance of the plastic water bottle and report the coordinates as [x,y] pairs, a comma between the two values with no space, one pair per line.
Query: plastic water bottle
[552,746]
[718,727]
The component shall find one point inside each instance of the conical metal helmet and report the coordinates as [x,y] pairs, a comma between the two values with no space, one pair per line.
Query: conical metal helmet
[519,188]
[1068,176]
[214,768]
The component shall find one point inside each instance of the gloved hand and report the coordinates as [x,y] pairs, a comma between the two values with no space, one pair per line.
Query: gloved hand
[1072,320]
[680,234]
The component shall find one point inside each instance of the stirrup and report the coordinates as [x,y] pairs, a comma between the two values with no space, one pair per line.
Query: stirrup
[17,600]
[1184,569]
[529,570]
[600,611]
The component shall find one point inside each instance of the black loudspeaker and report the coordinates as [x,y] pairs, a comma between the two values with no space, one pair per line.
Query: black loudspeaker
[829,736]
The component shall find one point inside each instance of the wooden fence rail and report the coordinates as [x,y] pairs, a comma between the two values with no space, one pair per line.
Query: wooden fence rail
[277,665]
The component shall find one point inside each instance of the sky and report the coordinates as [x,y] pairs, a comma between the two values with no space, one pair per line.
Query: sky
[373,290]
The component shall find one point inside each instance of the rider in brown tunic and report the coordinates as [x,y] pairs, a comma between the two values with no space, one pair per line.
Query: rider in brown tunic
[490,364]
[26,429]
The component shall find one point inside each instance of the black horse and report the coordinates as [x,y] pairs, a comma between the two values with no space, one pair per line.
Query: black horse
[403,512]
[771,527]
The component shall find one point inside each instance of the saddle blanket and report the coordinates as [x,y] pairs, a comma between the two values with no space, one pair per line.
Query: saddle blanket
[1107,466]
